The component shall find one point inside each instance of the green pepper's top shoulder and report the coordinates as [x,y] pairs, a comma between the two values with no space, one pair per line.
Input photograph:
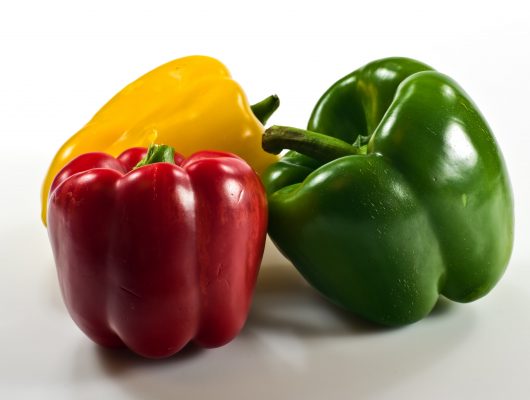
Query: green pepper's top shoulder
[355,104]
[350,108]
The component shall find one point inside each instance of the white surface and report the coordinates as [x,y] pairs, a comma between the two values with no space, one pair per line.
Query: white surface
[61,62]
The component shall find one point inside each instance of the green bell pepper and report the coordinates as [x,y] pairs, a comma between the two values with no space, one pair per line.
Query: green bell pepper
[397,194]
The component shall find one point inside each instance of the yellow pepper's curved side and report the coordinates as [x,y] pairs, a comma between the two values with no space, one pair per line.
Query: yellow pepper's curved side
[190,103]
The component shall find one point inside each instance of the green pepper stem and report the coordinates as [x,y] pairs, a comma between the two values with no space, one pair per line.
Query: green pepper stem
[265,108]
[157,153]
[315,145]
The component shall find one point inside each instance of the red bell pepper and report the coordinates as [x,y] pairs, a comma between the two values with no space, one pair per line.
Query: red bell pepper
[160,255]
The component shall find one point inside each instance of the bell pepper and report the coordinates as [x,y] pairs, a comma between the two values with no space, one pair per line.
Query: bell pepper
[156,256]
[396,194]
[190,103]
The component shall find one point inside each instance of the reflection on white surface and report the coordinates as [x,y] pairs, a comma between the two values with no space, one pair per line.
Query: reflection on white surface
[285,347]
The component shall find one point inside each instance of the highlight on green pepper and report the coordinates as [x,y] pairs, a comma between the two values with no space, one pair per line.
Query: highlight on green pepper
[396,194]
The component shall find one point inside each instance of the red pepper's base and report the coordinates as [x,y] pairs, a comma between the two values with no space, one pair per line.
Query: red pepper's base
[153,354]
[109,355]
[156,353]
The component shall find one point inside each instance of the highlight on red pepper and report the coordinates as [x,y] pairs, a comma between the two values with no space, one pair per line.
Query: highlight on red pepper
[153,250]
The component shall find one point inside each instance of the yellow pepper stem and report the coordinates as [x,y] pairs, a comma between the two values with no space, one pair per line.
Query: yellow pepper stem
[265,108]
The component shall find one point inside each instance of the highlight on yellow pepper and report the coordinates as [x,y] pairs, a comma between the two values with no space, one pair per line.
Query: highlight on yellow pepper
[190,103]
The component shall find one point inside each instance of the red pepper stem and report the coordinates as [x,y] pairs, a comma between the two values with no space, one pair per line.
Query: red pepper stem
[265,108]
[157,153]
[315,145]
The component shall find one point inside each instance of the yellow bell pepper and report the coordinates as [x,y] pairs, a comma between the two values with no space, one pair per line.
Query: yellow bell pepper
[190,103]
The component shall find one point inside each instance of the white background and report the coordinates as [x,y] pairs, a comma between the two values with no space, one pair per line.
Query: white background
[61,61]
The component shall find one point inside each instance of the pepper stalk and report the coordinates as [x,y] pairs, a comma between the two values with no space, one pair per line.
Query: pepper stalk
[321,147]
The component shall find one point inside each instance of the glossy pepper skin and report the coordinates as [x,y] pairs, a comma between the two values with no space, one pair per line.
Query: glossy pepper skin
[161,255]
[419,206]
[190,103]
